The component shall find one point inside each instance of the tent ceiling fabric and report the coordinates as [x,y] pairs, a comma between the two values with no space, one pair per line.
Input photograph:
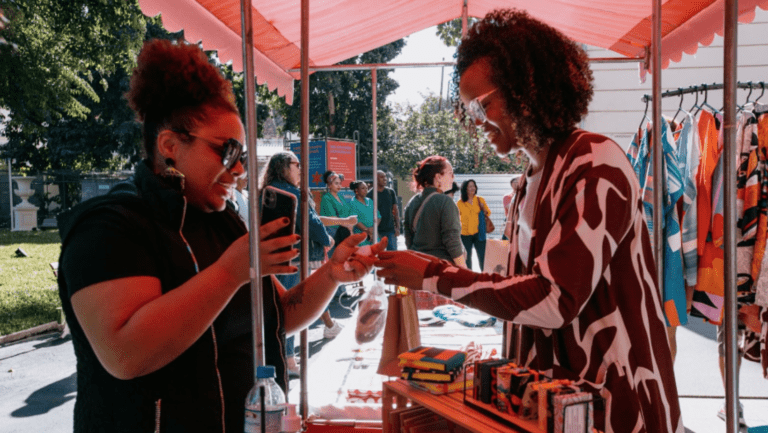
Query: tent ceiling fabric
[340,29]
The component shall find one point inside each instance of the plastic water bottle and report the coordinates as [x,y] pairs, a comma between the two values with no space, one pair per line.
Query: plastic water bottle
[274,403]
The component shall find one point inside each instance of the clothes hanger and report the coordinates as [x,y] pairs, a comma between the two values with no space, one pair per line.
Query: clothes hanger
[645,115]
[679,107]
[706,104]
[746,102]
[762,91]
[695,104]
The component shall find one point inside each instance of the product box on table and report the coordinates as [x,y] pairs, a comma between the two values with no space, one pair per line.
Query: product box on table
[432,358]
[430,375]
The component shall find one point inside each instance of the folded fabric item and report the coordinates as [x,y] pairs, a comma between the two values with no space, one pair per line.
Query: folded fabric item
[465,316]
[426,318]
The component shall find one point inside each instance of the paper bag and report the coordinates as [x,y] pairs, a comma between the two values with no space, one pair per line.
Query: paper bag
[401,332]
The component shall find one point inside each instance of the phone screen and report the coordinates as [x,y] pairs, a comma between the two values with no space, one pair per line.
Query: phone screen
[275,204]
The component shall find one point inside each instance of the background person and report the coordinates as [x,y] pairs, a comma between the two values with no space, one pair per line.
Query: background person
[389,224]
[506,202]
[472,232]
[240,198]
[454,189]
[334,210]
[284,172]
[153,276]
[438,230]
[362,207]
[582,269]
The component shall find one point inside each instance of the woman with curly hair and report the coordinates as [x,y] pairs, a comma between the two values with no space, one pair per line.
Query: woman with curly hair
[154,275]
[582,273]
[431,222]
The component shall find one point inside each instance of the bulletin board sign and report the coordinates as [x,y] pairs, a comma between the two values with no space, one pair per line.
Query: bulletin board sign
[329,154]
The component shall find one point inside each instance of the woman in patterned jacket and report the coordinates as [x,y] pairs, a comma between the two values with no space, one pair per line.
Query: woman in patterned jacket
[582,275]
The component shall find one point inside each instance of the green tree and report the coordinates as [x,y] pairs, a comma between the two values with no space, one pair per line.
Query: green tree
[59,49]
[340,102]
[424,130]
[450,31]
[105,138]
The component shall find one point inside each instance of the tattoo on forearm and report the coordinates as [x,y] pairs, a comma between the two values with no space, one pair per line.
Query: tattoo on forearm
[295,296]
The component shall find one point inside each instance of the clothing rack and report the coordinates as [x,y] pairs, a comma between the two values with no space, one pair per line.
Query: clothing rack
[704,87]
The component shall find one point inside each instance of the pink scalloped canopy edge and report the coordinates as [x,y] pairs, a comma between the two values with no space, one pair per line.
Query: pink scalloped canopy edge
[341,29]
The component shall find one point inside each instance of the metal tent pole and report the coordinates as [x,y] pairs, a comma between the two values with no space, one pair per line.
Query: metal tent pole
[729,154]
[375,158]
[658,150]
[10,193]
[303,341]
[253,175]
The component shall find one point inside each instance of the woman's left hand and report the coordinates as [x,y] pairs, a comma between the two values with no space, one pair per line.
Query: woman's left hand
[351,263]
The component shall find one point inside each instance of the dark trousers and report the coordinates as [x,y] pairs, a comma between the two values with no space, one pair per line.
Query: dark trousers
[469,242]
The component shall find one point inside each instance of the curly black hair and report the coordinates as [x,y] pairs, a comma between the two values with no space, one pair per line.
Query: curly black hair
[544,76]
[174,86]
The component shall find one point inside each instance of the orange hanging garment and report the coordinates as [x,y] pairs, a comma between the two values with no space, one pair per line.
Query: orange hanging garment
[708,296]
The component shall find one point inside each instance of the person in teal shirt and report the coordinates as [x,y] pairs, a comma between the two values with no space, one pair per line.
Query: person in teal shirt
[335,212]
[362,206]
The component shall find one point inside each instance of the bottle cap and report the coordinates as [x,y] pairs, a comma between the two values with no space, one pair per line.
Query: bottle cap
[265,372]
[291,421]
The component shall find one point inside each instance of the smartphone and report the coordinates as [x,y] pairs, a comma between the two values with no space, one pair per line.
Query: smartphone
[275,204]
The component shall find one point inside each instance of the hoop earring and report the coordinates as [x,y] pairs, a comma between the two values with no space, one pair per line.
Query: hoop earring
[174,176]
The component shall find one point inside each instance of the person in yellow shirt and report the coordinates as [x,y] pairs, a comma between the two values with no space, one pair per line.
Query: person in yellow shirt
[472,231]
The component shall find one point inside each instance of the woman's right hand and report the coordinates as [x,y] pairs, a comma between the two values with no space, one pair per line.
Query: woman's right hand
[237,258]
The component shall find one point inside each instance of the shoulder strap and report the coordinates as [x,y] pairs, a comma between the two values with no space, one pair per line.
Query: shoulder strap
[483,206]
[421,207]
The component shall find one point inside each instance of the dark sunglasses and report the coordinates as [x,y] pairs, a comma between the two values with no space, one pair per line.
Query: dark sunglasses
[231,150]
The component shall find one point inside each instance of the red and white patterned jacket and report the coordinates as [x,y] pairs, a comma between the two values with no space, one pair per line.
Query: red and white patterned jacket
[588,297]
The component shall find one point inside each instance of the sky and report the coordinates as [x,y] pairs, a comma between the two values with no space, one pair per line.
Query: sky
[421,47]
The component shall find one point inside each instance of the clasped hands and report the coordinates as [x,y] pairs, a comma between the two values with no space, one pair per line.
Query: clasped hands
[349,262]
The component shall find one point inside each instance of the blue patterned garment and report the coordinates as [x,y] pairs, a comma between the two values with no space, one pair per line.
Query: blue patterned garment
[641,156]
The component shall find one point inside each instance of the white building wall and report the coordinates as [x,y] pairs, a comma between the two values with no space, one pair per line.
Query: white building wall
[617,110]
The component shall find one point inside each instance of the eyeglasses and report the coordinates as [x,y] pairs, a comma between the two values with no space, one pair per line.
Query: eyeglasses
[475,107]
[297,163]
[231,150]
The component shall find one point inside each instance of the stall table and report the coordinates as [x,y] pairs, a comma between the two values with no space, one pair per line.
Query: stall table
[397,393]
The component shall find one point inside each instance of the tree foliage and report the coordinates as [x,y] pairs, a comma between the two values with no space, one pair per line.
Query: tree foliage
[106,138]
[60,51]
[424,130]
[340,102]
[450,31]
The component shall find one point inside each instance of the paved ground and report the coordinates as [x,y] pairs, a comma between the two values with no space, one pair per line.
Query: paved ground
[38,386]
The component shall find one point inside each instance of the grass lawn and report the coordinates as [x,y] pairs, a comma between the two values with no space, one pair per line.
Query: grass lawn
[29,295]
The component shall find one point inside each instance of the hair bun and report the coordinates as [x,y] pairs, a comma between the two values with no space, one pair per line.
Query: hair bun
[174,75]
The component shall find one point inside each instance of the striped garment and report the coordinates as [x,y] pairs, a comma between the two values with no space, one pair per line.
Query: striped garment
[587,296]
[688,155]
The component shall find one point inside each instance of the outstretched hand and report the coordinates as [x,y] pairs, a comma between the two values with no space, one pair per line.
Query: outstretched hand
[350,262]
[404,268]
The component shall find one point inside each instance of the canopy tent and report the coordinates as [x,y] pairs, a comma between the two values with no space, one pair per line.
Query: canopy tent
[624,26]
[341,29]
